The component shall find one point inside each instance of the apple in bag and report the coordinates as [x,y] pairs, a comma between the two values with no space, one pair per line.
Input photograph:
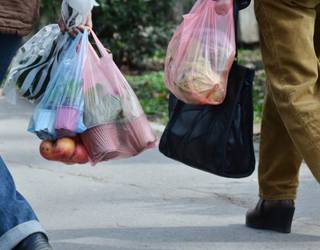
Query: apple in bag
[80,155]
[65,147]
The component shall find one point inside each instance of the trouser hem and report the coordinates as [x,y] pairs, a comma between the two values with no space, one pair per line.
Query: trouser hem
[15,235]
[278,197]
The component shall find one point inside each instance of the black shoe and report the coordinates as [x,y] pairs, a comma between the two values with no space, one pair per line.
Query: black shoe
[36,241]
[272,215]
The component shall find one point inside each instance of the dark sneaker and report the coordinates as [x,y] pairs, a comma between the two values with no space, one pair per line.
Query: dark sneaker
[37,241]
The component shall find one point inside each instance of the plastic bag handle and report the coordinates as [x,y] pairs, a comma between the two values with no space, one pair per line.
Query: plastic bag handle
[75,42]
[100,46]
[236,23]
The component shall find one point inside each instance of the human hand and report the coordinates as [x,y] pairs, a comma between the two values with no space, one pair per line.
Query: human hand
[75,30]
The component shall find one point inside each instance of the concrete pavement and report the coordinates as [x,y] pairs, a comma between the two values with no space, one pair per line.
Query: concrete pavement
[147,202]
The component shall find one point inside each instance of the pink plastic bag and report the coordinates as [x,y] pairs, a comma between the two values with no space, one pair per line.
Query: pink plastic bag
[117,125]
[201,53]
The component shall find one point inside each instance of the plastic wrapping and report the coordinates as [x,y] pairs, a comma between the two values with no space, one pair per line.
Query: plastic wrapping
[201,53]
[34,64]
[117,125]
[76,12]
[60,111]
[215,138]
[37,60]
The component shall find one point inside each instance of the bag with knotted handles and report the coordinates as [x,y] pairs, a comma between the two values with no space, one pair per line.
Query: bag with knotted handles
[215,138]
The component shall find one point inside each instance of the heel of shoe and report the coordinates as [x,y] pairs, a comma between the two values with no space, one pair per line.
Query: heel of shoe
[281,220]
[272,215]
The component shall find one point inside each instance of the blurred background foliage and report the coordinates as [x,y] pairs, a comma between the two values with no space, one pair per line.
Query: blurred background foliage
[134,30]
[137,32]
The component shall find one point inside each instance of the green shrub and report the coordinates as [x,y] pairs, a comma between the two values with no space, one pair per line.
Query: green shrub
[152,94]
[133,30]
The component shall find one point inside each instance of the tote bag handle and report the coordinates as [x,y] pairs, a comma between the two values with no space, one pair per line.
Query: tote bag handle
[101,48]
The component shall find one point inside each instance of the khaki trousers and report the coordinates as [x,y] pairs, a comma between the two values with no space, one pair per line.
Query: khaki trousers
[290,43]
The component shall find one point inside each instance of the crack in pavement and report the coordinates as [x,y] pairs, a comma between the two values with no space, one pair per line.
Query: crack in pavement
[221,196]
[224,197]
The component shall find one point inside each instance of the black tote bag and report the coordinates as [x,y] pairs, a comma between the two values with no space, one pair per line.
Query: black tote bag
[215,139]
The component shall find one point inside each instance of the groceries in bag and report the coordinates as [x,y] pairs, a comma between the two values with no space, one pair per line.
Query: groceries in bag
[215,138]
[60,111]
[117,125]
[37,60]
[201,53]
[35,63]
[66,150]
[84,95]
[90,97]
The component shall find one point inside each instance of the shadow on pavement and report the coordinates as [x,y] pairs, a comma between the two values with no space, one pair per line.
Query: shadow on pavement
[197,234]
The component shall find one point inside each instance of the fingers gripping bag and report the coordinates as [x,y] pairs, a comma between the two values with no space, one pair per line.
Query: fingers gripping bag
[117,125]
[60,111]
[201,53]
[76,12]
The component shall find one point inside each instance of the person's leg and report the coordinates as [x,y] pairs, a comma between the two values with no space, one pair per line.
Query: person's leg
[279,164]
[291,122]
[279,160]
[18,220]
[17,217]
[8,47]
[287,30]
[317,34]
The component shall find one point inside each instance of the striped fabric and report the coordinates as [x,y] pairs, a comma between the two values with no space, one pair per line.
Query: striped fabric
[35,62]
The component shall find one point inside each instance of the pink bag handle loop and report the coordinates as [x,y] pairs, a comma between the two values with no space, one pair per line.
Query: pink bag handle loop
[100,46]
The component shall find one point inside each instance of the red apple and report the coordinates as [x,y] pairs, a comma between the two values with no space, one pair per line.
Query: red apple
[46,149]
[65,148]
[80,155]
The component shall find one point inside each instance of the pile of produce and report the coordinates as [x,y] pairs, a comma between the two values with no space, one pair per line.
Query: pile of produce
[67,150]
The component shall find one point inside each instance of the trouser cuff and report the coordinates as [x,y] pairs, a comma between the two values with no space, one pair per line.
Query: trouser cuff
[278,197]
[15,235]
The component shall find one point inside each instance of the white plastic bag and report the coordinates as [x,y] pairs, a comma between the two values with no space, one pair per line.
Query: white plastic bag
[37,60]
[34,63]
[60,111]
[76,12]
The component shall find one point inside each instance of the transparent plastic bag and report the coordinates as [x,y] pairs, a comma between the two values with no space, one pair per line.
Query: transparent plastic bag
[117,125]
[34,64]
[37,60]
[201,53]
[60,111]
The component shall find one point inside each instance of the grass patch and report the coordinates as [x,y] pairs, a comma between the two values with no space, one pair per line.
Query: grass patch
[153,95]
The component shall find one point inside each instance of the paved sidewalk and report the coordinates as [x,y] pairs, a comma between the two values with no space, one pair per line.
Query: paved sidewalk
[148,202]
